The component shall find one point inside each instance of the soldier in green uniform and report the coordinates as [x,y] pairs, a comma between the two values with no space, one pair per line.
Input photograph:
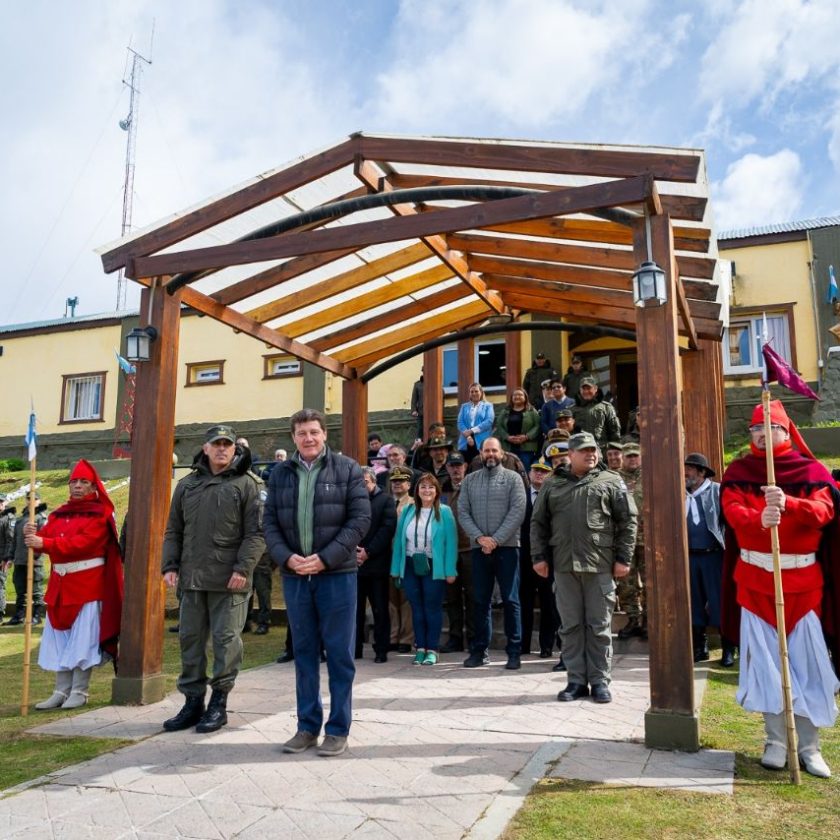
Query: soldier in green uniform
[212,543]
[20,560]
[7,547]
[631,589]
[597,418]
[584,527]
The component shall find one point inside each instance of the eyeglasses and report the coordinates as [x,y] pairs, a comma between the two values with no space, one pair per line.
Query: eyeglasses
[759,427]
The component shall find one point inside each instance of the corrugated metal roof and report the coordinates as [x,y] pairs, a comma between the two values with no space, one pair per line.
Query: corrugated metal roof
[781,227]
[81,319]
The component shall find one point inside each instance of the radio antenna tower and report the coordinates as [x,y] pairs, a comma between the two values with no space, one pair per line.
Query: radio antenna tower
[129,126]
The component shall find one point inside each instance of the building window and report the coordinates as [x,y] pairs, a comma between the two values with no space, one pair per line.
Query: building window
[279,366]
[206,373]
[450,369]
[82,397]
[744,338]
[490,368]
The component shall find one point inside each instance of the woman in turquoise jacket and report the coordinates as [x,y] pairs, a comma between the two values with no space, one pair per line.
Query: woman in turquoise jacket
[424,557]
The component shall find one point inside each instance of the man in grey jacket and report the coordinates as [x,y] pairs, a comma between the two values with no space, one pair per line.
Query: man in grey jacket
[491,508]
[212,543]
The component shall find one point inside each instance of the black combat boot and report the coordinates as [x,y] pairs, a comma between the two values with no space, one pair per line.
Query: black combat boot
[216,715]
[700,643]
[190,714]
[727,659]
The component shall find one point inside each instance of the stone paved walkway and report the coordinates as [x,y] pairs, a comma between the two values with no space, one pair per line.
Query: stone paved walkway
[438,752]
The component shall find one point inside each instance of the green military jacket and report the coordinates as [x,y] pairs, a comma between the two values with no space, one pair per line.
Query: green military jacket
[599,419]
[583,524]
[633,480]
[215,526]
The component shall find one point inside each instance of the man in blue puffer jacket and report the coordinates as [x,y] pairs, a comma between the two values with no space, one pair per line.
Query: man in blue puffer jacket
[316,514]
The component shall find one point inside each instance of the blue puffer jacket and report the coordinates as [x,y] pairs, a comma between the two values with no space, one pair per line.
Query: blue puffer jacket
[341,513]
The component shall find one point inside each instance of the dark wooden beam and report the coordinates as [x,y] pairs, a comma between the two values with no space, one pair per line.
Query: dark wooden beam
[398,315]
[688,207]
[513,361]
[671,722]
[354,414]
[466,368]
[702,408]
[257,192]
[141,678]
[594,313]
[432,388]
[354,277]
[605,163]
[372,177]
[542,205]
[242,323]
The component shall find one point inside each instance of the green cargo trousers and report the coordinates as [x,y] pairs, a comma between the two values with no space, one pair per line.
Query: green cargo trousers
[218,616]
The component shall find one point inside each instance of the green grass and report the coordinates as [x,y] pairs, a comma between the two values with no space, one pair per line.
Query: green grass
[764,803]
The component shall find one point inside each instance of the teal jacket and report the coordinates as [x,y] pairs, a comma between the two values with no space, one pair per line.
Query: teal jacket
[444,543]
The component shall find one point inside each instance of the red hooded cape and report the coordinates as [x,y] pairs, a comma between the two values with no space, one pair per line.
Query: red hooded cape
[798,476]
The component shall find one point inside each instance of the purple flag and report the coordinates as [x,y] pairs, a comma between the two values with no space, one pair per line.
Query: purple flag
[778,370]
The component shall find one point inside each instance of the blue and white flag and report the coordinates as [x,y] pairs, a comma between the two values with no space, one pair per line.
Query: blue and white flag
[31,436]
[833,291]
[125,366]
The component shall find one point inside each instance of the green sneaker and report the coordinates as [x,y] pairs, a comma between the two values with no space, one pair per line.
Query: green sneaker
[420,656]
[431,658]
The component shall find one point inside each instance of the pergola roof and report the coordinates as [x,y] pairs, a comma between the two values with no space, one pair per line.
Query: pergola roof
[346,292]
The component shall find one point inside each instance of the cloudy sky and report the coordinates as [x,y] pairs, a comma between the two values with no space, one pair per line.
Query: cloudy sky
[240,86]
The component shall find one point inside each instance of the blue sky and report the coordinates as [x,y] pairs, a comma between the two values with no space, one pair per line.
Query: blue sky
[236,88]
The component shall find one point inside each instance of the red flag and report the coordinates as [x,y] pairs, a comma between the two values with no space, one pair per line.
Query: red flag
[778,370]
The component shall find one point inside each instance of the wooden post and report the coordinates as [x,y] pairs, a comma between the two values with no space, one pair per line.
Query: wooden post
[672,721]
[466,368]
[513,361]
[141,677]
[354,414]
[432,387]
[702,408]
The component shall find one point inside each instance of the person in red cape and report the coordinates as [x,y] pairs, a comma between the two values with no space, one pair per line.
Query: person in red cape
[804,505]
[85,590]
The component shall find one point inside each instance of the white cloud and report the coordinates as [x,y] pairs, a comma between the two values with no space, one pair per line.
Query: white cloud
[759,190]
[526,63]
[767,46]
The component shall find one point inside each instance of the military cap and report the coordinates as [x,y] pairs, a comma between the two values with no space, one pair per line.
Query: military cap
[541,466]
[545,383]
[440,443]
[588,380]
[618,447]
[399,474]
[632,449]
[564,412]
[559,447]
[582,440]
[456,459]
[557,434]
[215,433]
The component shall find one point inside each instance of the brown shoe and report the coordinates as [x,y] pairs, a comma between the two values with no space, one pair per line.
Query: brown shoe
[300,742]
[333,745]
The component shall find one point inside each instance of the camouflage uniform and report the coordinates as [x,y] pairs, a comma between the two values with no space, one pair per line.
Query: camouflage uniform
[631,589]
[7,546]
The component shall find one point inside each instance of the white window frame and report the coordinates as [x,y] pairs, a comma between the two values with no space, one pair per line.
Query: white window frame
[281,366]
[755,324]
[83,397]
[205,373]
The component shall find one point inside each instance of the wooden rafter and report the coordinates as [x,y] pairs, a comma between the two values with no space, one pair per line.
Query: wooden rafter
[363,302]
[688,207]
[557,272]
[529,207]
[252,195]
[244,324]
[371,176]
[599,163]
[574,312]
[343,282]
[368,352]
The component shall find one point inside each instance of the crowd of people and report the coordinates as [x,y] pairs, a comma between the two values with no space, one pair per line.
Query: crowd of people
[521,508]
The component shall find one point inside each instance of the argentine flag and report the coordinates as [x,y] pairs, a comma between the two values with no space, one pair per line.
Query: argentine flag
[31,437]
[833,292]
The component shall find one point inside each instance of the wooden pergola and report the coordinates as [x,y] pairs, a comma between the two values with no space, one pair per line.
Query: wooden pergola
[379,244]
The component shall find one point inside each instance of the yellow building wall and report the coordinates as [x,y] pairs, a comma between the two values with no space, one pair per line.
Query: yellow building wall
[32,367]
[245,395]
[774,274]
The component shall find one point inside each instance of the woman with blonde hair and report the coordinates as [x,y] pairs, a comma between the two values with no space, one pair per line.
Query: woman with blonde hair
[475,422]
[423,561]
